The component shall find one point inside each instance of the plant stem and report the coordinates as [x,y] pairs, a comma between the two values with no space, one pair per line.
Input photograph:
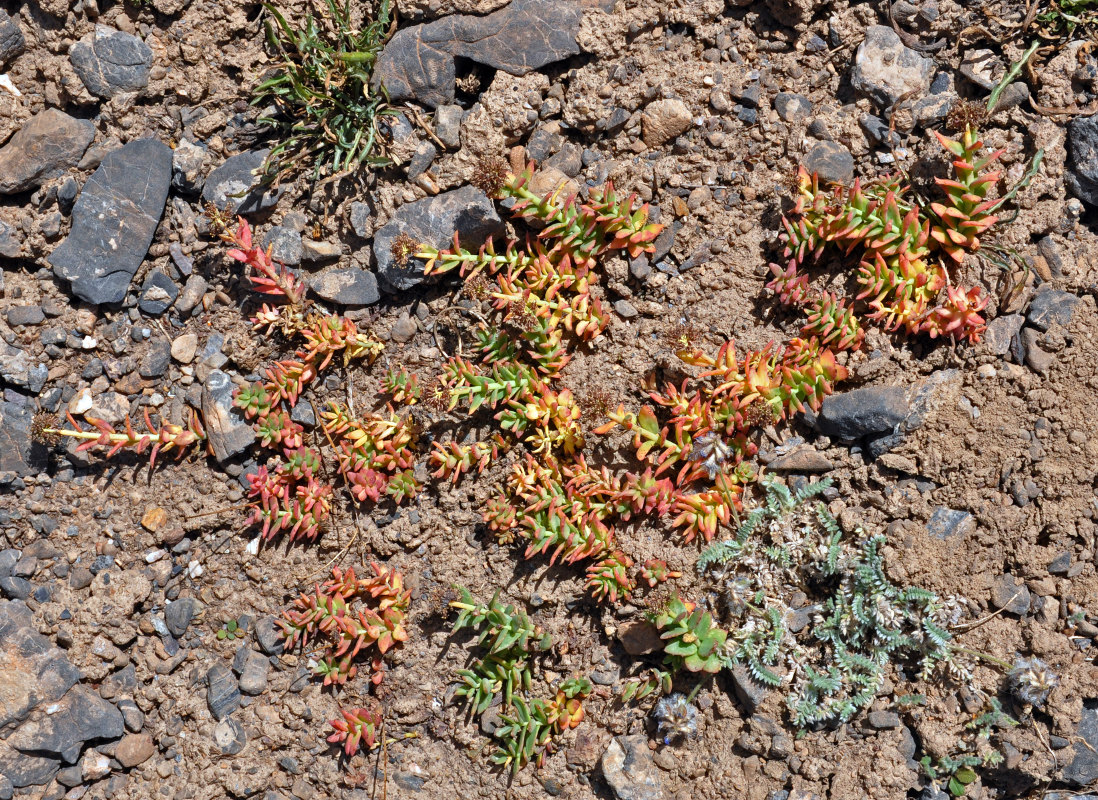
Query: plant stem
[992,659]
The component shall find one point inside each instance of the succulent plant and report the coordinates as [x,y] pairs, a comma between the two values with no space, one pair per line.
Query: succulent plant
[691,640]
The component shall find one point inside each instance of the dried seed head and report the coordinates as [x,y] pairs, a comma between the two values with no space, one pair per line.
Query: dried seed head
[1031,681]
[40,427]
[966,113]
[676,719]
[403,248]
[491,175]
[477,287]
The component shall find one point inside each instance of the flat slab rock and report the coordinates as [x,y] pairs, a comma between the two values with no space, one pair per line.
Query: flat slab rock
[47,144]
[114,220]
[110,62]
[19,453]
[418,62]
[630,771]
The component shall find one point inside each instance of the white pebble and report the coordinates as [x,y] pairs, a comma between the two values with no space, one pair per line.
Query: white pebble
[154,556]
[253,547]
[194,569]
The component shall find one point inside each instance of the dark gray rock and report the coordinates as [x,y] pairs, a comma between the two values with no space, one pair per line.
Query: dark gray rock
[17,369]
[253,677]
[1000,332]
[157,294]
[1082,172]
[156,360]
[188,159]
[26,315]
[886,70]
[418,62]
[1083,769]
[831,162]
[80,716]
[1036,357]
[178,615]
[229,433]
[48,143]
[11,245]
[625,309]
[348,286]
[1060,564]
[945,522]
[1006,593]
[12,42]
[863,412]
[630,771]
[792,107]
[359,217]
[883,720]
[114,220]
[285,244]
[749,691]
[433,220]
[268,635]
[1051,306]
[229,736]
[132,716]
[19,453]
[237,185]
[15,588]
[222,694]
[422,159]
[448,125]
[8,559]
[110,62]
[34,671]
[25,769]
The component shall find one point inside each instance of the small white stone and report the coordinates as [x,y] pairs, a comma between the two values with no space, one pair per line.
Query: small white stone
[986,371]
[252,548]
[81,402]
[89,343]
[155,555]
[194,569]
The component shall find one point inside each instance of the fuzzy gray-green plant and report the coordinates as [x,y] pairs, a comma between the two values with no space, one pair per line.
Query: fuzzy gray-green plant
[861,622]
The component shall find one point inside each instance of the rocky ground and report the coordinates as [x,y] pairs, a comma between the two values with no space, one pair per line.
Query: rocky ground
[119,122]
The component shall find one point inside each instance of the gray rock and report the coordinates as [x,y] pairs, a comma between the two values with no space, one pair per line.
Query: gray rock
[269,636]
[639,637]
[1051,306]
[229,736]
[188,159]
[421,161]
[222,693]
[26,315]
[182,262]
[933,109]
[1082,172]
[157,294]
[1006,593]
[849,416]
[237,185]
[11,245]
[831,162]
[569,160]
[132,716]
[433,220]
[629,770]
[17,369]
[8,559]
[403,329]
[883,720]
[19,453]
[80,716]
[47,144]
[625,309]
[792,107]
[25,769]
[448,125]
[15,588]
[1060,564]
[110,62]
[418,62]
[114,220]
[156,360]
[12,42]
[1000,331]
[945,522]
[34,670]
[1083,769]
[285,244]
[192,293]
[1035,356]
[178,615]
[749,691]
[317,252]
[229,433]
[359,217]
[253,677]
[886,70]
[349,286]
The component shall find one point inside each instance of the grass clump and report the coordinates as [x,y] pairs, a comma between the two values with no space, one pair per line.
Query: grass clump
[328,111]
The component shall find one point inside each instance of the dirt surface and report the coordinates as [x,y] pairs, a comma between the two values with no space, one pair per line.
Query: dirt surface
[1013,442]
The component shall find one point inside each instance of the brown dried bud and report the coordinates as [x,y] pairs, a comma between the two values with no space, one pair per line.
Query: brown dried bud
[40,427]
[491,175]
[403,248]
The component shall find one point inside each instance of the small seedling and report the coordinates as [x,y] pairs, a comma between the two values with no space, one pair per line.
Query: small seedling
[231,629]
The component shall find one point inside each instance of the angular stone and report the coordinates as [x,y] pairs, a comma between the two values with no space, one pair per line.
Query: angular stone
[269,636]
[229,433]
[883,720]
[178,615]
[15,588]
[237,185]
[749,691]
[1082,172]
[285,244]
[32,670]
[12,42]
[805,459]
[1011,595]
[629,770]
[862,412]
[47,144]
[25,315]
[831,162]
[110,62]
[418,62]
[19,452]
[26,769]
[1000,331]
[359,217]
[80,716]
[229,736]
[253,678]
[792,107]
[157,294]
[188,159]
[11,246]
[314,252]
[1051,306]
[134,749]
[886,70]
[945,522]
[184,347]
[433,220]
[156,360]
[114,220]
[663,120]
[222,694]
[1083,769]
[349,286]
[639,637]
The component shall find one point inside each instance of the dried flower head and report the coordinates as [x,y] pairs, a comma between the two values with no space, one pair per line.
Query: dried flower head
[403,248]
[1031,681]
[676,719]
[491,175]
[42,427]
[965,114]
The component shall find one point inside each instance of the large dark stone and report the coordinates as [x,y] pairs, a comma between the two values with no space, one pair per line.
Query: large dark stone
[831,162]
[25,769]
[114,220]
[863,412]
[349,286]
[19,453]
[1051,306]
[12,42]
[80,716]
[110,62]
[229,433]
[32,670]
[237,185]
[1082,171]
[1083,769]
[418,62]
[222,694]
[47,144]
[434,221]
